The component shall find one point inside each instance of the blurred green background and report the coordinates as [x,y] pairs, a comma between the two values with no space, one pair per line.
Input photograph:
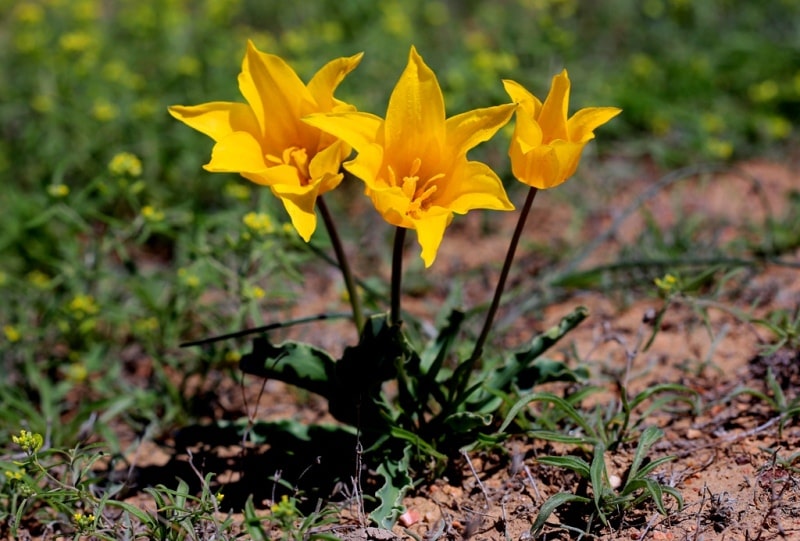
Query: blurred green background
[111,233]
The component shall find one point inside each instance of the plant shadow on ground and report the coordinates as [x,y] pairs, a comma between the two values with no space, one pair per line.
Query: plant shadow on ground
[312,468]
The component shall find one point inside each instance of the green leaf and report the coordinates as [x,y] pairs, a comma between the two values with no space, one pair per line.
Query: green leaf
[574,463]
[550,505]
[527,370]
[435,355]
[599,479]
[252,522]
[559,403]
[416,442]
[296,363]
[396,483]
[465,421]
[559,437]
[544,341]
[649,436]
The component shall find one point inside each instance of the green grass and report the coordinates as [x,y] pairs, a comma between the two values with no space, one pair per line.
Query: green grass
[115,246]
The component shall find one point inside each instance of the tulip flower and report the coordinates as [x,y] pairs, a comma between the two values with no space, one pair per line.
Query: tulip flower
[265,141]
[414,163]
[546,145]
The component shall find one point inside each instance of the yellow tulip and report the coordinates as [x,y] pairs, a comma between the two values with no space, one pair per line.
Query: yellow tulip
[546,145]
[265,141]
[414,163]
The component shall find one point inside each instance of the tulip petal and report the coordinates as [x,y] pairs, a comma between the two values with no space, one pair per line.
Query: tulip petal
[483,190]
[359,130]
[430,232]
[466,130]
[217,119]
[415,117]
[238,152]
[299,202]
[276,94]
[583,123]
[328,78]
[529,103]
[553,116]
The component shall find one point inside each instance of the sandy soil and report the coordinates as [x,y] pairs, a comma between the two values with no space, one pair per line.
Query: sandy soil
[735,465]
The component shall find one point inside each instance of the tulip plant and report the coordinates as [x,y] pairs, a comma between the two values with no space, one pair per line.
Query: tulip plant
[298,140]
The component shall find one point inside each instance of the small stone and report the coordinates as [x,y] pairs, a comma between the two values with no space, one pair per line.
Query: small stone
[408,518]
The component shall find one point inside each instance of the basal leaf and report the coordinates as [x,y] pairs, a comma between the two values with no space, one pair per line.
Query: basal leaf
[396,482]
[550,505]
[466,421]
[296,363]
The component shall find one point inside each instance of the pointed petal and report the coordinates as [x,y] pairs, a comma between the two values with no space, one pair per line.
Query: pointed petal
[527,132]
[238,152]
[553,116]
[529,103]
[583,123]
[324,166]
[415,117]
[299,202]
[466,130]
[430,232]
[359,130]
[481,189]
[533,167]
[392,204]
[276,94]
[325,81]
[217,119]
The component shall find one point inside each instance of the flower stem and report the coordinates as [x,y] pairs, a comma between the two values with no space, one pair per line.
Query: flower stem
[501,282]
[344,265]
[397,274]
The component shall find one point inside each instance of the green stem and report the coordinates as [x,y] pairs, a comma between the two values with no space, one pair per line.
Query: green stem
[344,266]
[501,282]
[397,274]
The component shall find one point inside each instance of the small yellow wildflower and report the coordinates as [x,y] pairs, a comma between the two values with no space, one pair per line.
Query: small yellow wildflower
[30,442]
[188,278]
[253,293]
[719,148]
[764,91]
[258,222]
[151,214]
[38,279]
[146,325]
[237,190]
[668,284]
[188,65]
[220,496]
[58,190]
[29,12]
[83,305]
[76,41]
[777,127]
[104,111]
[86,10]
[12,333]
[77,372]
[13,475]
[233,357]
[125,164]
[83,522]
